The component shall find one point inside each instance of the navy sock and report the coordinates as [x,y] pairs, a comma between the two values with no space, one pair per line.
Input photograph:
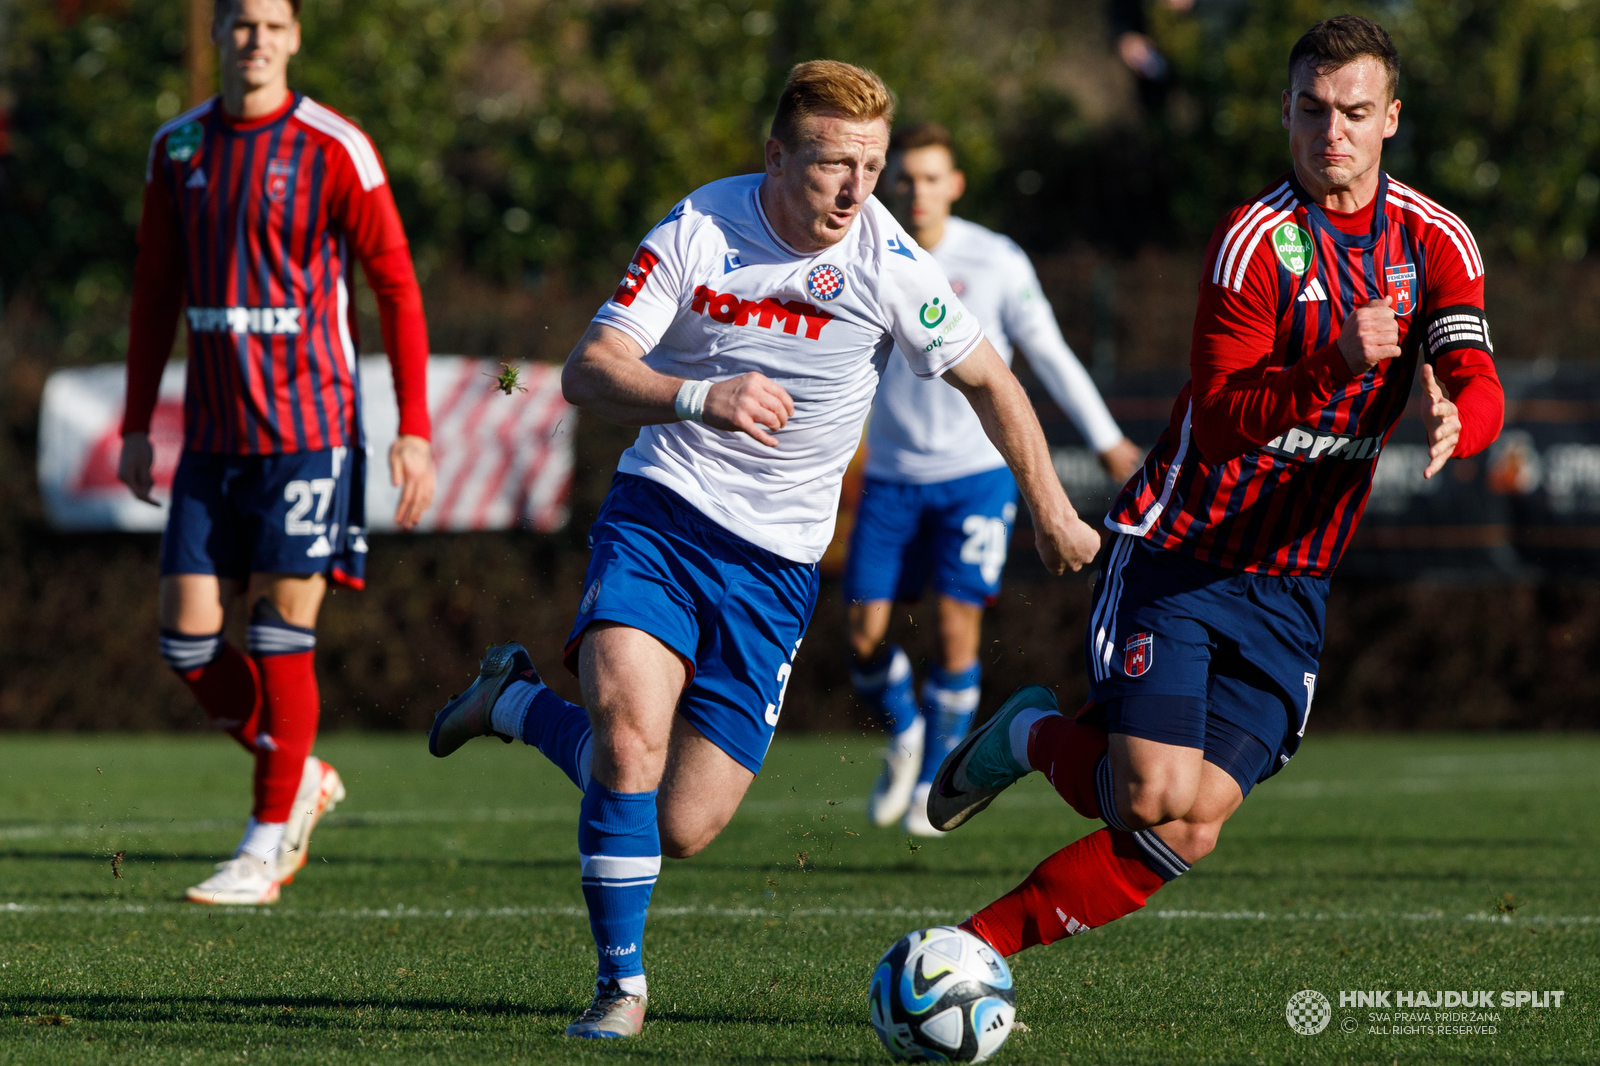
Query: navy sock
[621,851]
[885,685]
[560,730]
[948,703]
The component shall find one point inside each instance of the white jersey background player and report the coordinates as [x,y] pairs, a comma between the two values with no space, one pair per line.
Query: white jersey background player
[747,340]
[938,503]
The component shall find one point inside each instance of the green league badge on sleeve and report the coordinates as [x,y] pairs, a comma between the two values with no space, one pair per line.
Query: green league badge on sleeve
[183,142]
[1293,246]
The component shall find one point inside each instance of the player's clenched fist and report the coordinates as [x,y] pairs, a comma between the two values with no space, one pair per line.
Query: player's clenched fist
[1067,543]
[1370,335]
[750,403]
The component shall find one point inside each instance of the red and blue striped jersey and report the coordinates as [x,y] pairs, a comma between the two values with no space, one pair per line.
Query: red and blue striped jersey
[253,227]
[1268,458]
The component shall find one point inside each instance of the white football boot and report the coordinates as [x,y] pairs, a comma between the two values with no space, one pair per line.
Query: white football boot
[321,790]
[614,1014]
[891,794]
[244,880]
[916,821]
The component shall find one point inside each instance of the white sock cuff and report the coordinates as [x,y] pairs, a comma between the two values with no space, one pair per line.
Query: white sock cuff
[633,986]
[1021,726]
[511,709]
[261,839]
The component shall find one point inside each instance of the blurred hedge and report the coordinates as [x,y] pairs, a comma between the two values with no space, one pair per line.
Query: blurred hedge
[533,138]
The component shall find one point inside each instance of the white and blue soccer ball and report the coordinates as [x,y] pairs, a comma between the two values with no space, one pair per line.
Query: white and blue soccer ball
[942,994]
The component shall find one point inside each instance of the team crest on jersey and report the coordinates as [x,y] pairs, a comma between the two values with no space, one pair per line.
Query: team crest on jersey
[589,598]
[1402,280]
[825,282]
[1137,654]
[183,142]
[280,174]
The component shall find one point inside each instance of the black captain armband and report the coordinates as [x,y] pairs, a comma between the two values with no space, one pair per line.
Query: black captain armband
[1461,326]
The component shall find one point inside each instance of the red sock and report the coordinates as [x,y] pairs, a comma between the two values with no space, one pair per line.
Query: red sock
[290,708]
[1086,884]
[229,691]
[1067,752]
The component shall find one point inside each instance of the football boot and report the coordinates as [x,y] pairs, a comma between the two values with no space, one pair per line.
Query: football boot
[614,1013]
[244,880]
[891,794]
[470,714]
[916,819]
[321,790]
[981,766]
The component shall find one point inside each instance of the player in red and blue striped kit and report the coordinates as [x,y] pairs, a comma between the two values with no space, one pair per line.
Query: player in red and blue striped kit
[1321,299]
[257,205]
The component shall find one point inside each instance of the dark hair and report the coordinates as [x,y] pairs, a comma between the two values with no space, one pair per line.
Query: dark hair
[1336,42]
[826,86]
[221,6]
[922,135]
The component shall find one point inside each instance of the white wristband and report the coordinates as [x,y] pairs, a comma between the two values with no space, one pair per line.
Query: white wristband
[690,403]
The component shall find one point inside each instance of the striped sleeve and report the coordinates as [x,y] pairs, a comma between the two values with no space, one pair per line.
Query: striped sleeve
[1244,395]
[1454,318]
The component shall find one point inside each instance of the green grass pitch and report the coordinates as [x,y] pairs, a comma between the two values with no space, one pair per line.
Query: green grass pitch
[441,920]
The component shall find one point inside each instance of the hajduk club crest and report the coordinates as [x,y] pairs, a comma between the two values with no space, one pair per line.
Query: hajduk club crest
[1137,654]
[825,282]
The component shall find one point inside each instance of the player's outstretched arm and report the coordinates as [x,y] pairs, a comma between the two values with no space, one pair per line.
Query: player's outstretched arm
[1065,540]
[606,374]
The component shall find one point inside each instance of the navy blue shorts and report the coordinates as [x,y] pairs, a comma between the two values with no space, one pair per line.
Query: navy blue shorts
[953,534]
[734,613]
[294,513]
[1183,652]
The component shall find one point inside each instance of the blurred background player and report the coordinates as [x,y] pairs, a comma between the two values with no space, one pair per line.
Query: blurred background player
[938,502]
[256,205]
[747,339]
[1319,302]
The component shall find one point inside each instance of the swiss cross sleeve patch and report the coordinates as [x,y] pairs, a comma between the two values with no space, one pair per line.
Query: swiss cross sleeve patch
[1137,654]
[644,261]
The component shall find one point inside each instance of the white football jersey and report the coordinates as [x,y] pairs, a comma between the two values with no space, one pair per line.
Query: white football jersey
[925,431]
[714,292]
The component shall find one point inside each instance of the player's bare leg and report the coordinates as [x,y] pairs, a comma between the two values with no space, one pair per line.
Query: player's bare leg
[881,675]
[699,793]
[949,699]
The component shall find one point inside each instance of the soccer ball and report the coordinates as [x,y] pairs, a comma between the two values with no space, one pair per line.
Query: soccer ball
[942,994]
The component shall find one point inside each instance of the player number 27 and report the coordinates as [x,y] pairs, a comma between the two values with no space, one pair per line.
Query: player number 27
[301,495]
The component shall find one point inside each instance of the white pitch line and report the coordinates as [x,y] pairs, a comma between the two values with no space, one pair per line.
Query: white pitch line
[397,912]
[1289,789]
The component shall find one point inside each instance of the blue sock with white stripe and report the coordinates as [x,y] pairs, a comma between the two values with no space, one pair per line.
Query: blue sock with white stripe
[1159,856]
[884,684]
[621,851]
[560,730]
[948,703]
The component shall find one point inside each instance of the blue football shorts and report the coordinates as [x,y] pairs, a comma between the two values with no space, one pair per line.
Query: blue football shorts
[734,613]
[1183,652]
[292,513]
[953,534]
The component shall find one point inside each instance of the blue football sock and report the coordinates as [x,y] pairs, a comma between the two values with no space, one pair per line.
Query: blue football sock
[885,685]
[546,721]
[948,703]
[621,852]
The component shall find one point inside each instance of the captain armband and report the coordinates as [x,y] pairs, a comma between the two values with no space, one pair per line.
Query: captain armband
[1461,326]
